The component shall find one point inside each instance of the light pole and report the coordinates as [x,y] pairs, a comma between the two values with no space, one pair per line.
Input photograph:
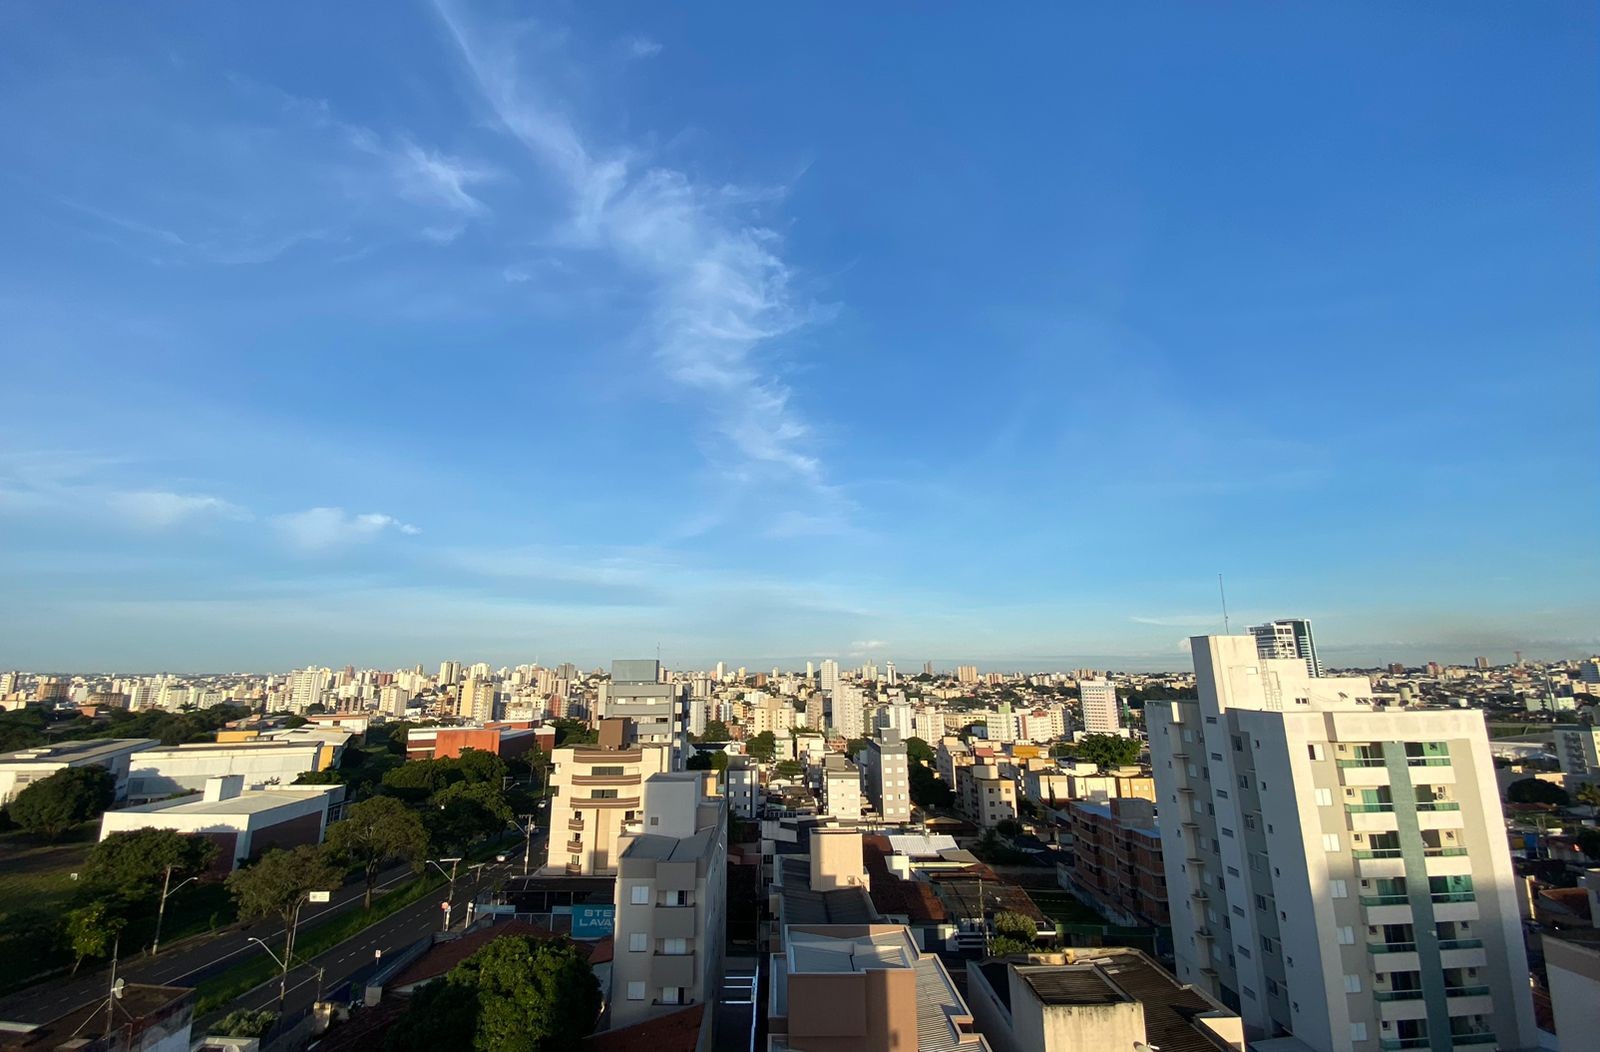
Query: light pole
[161,911]
[527,836]
[288,942]
[282,963]
[449,901]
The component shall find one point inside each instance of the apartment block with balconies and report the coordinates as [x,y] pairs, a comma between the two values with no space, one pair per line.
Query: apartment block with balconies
[598,794]
[671,900]
[1336,871]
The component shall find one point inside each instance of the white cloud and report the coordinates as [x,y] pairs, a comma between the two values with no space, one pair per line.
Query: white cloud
[1177,620]
[869,644]
[721,292]
[643,47]
[433,178]
[159,509]
[322,529]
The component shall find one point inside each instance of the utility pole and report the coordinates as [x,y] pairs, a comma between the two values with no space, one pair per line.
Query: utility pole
[450,897]
[161,911]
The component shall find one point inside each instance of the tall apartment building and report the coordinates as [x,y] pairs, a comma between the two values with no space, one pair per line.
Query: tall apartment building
[477,700]
[393,699]
[966,674]
[449,672]
[841,788]
[849,712]
[1288,638]
[598,791]
[1336,872]
[887,776]
[1578,750]
[659,710]
[1001,725]
[671,901]
[927,724]
[1101,715]
[306,687]
[830,675]
[1117,859]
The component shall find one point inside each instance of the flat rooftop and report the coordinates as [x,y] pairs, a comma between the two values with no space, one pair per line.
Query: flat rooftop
[76,751]
[250,801]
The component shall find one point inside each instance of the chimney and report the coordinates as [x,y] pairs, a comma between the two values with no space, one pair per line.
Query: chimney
[223,787]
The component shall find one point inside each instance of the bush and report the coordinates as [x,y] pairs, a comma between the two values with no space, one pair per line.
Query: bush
[53,805]
[243,1022]
[1535,791]
[1016,925]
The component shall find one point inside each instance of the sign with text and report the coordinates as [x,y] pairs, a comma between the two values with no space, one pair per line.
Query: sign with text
[593,922]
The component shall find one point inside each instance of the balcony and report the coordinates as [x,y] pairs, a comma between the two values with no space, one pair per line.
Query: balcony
[606,779]
[1440,805]
[1397,1044]
[574,847]
[1455,896]
[1385,900]
[575,824]
[1444,852]
[1460,944]
[1466,991]
[1397,995]
[573,869]
[1369,809]
[1427,761]
[1381,852]
[1361,761]
[1477,1037]
[1392,947]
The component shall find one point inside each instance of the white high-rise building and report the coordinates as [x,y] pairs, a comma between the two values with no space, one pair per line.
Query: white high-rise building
[927,724]
[890,676]
[393,700]
[306,687]
[886,775]
[1100,712]
[896,720]
[449,672]
[1288,638]
[830,675]
[849,712]
[1334,871]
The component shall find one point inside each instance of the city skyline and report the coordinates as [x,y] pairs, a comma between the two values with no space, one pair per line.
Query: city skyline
[520,333]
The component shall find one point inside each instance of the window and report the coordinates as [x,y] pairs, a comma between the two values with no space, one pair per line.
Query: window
[671,995]
[675,898]
[1338,889]
[1315,749]
[606,772]
[1238,744]
[675,947]
[1358,1031]
[576,860]
[1217,756]
[603,794]
[1352,984]
[636,991]
[640,895]
[638,942]
[1244,781]
[1261,902]
[1330,841]
[1324,797]
[1347,936]
[1232,872]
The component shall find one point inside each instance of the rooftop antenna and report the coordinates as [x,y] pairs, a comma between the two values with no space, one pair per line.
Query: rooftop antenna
[1224,593]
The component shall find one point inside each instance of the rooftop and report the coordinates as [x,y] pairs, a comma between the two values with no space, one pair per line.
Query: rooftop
[76,751]
[249,801]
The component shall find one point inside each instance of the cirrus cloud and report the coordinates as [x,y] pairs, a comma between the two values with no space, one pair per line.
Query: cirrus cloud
[324,529]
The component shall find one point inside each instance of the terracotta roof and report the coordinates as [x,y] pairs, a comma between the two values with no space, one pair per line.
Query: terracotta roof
[446,955]
[676,1032]
[912,899]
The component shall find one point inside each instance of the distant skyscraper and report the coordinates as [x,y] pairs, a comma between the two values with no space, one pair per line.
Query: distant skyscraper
[830,675]
[966,674]
[1100,712]
[1482,663]
[927,668]
[849,715]
[889,675]
[449,672]
[1288,638]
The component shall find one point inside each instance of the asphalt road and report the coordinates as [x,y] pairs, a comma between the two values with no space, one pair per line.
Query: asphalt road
[180,964]
[354,960]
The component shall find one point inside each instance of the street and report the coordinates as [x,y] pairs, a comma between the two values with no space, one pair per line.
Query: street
[182,964]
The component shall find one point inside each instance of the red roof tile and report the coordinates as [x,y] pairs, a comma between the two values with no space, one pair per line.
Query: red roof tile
[677,1032]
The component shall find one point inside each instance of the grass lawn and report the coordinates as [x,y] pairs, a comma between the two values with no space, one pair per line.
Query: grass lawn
[1064,907]
[36,887]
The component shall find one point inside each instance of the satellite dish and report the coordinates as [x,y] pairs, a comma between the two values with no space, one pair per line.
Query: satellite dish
[116,988]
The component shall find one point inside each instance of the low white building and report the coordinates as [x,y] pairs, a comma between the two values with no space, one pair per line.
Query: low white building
[159,772]
[22,768]
[243,823]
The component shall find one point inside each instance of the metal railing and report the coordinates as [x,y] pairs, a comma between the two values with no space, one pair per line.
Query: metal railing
[1377,852]
[1392,947]
[1397,995]
[1460,944]
[1399,899]
[1362,761]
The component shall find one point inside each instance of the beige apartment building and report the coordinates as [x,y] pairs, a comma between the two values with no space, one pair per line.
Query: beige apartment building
[984,795]
[671,900]
[1336,871]
[598,792]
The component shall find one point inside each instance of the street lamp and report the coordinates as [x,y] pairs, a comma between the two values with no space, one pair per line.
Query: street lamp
[450,898]
[288,942]
[281,963]
[161,912]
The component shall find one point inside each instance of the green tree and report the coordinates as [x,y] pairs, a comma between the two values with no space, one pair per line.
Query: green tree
[762,746]
[374,832]
[92,931]
[719,761]
[1108,750]
[700,761]
[463,813]
[1535,791]
[1005,946]
[53,805]
[416,780]
[517,994]
[1016,925]
[244,1022]
[1008,827]
[716,731]
[927,789]
[279,882]
[854,746]
[133,865]
[478,765]
[1589,843]
[919,751]
[790,769]
[1588,794]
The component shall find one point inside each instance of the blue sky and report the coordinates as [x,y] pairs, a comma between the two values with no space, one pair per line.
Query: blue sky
[390,332]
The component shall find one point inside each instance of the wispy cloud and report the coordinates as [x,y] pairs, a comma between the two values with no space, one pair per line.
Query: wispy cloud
[159,509]
[869,644]
[642,47]
[325,529]
[230,248]
[1178,620]
[721,292]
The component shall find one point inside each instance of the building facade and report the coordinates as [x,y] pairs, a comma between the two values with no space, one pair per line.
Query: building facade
[886,775]
[599,790]
[1117,860]
[659,710]
[1100,712]
[1336,872]
[1288,638]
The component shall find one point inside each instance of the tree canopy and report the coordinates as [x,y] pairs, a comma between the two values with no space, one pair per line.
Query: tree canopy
[376,831]
[275,885]
[462,812]
[927,789]
[517,994]
[762,746]
[1536,791]
[53,805]
[1108,750]
[716,731]
[919,751]
[92,930]
[133,864]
